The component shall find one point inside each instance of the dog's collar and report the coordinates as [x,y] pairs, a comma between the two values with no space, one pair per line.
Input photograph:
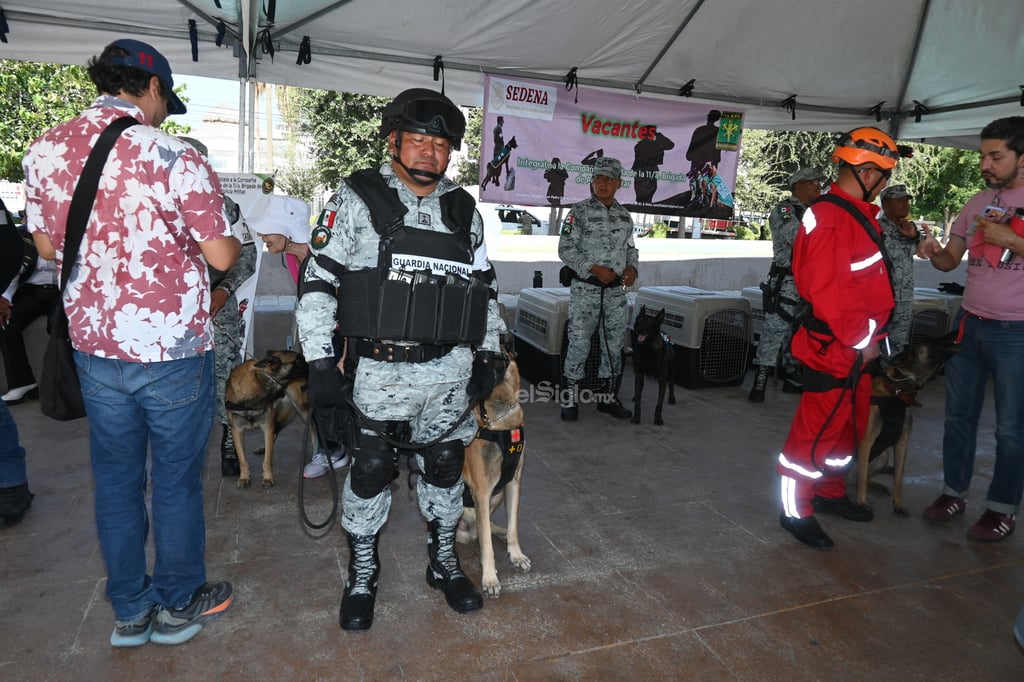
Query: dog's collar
[514,434]
[896,385]
[489,422]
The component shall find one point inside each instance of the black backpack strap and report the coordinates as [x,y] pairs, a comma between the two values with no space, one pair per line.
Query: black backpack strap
[868,227]
[387,212]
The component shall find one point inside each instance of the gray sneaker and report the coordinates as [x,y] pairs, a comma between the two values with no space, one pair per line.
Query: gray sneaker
[176,626]
[132,633]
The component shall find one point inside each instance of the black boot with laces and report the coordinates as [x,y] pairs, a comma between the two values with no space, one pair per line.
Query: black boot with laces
[361,587]
[445,573]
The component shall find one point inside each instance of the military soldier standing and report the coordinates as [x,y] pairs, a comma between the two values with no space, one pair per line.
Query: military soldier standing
[398,264]
[596,242]
[901,237]
[783,306]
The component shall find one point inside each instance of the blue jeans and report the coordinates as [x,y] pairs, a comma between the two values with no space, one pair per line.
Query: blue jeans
[12,455]
[996,349]
[167,409]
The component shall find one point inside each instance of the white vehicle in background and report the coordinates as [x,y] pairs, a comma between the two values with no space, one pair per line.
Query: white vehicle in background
[507,218]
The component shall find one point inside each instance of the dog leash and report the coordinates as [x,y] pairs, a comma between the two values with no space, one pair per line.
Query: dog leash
[304,521]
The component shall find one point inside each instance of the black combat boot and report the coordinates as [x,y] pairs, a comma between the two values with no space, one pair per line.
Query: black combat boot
[361,587]
[14,502]
[228,455]
[760,381]
[444,572]
[608,401]
[570,410]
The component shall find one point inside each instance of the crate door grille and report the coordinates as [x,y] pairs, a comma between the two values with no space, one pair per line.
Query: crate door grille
[724,346]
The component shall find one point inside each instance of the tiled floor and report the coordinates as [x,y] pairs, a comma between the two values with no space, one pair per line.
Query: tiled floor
[656,552]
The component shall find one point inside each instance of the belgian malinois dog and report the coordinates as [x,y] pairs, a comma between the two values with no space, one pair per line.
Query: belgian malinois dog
[265,394]
[492,469]
[893,390]
[651,354]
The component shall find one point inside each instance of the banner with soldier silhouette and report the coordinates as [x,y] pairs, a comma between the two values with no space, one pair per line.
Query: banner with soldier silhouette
[539,144]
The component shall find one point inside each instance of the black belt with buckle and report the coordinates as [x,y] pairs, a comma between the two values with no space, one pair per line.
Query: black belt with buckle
[395,352]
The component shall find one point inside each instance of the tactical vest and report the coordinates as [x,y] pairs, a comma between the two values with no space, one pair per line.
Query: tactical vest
[422,289]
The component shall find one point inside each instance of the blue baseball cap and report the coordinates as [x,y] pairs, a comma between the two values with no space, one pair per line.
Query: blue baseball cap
[145,57]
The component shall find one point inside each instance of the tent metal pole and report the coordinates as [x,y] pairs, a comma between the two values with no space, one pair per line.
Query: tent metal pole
[241,124]
[251,123]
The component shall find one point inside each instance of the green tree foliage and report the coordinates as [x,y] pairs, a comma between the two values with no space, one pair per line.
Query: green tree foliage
[344,129]
[467,171]
[34,97]
[769,157]
[941,180]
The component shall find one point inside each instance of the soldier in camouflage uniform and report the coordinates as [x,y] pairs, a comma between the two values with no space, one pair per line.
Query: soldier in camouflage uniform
[227,338]
[901,237]
[413,392]
[783,305]
[596,241]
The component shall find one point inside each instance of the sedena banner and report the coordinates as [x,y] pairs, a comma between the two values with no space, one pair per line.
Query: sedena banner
[540,143]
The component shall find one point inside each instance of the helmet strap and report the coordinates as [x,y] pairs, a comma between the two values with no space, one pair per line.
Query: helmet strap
[417,175]
[867,193]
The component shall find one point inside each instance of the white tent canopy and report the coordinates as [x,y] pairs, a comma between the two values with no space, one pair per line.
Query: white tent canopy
[932,70]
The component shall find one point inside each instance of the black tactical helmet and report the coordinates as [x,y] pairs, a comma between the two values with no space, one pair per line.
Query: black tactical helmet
[424,111]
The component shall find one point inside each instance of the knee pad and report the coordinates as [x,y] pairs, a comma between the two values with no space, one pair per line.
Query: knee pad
[442,463]
[374,466]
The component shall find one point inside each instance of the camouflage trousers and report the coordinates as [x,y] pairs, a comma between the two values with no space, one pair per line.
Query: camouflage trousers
[585,313]
[430,396]
[899,326]
[777,332]
[227,339]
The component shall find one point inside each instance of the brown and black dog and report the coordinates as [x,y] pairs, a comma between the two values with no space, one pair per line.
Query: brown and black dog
[889,421]
[492,469]
[265,394]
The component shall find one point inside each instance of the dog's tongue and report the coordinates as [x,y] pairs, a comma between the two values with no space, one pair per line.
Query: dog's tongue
[640,338]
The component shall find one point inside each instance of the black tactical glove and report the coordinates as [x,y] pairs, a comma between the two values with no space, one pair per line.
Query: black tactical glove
[486,368]
[327,386]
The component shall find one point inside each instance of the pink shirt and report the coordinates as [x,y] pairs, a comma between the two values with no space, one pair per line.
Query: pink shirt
[993,292]
[139,291]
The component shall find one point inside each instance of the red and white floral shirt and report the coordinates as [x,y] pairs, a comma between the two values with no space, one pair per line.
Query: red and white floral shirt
[139,290]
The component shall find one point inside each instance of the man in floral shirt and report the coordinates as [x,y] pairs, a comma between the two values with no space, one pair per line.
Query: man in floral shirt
[138,305]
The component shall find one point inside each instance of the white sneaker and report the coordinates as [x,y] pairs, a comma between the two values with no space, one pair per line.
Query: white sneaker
[21,394]
[318,466]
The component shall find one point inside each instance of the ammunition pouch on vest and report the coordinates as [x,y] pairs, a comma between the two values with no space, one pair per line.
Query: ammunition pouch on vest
[423,289]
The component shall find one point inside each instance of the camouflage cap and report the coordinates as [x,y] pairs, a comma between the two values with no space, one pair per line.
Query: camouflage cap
[806,174]
[608,167]
[895,192]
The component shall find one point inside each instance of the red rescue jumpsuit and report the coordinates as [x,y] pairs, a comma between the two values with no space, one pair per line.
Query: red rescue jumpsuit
[840,271]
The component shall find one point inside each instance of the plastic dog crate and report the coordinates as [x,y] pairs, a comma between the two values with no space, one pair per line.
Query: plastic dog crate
[755,297]
[709,332]
[541,333]
[929,318]
[951,301]
[507,305]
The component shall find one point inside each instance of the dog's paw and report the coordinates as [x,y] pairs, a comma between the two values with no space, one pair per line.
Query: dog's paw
[491,587]
[243,482]
[671,400]
[268,483]
[520,561]
[900,511]
[658,421]
[635,419]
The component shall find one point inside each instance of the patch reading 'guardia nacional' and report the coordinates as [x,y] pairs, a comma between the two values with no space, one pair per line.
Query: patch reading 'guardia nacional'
[567,225]
[319,237]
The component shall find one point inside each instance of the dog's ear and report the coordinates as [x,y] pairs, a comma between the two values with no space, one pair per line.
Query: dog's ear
[660,316]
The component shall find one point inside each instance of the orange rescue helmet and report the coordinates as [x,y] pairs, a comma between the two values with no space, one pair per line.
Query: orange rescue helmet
[866,145]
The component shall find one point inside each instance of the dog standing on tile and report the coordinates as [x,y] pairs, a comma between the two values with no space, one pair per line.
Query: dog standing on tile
[493,470]
[265,394]
[893,390]
[651,354]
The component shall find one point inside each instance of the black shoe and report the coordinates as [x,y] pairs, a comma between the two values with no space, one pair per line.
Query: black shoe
[807,531]
[229,466]
[360,594]
[14,502]
[570,413]
[445,573]
[760,381]
[610,405]
[842,506]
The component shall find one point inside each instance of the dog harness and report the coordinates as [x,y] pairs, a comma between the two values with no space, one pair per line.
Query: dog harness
[511,443]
